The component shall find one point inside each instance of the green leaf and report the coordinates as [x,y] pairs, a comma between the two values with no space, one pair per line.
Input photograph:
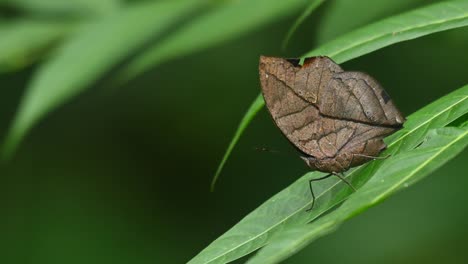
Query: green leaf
[226,22]
[84,7]
[423,21]
[396,173]
[24,41]
[413,24]
[307,12]
[287,208]
[335,21]
[93,51]
[252,111]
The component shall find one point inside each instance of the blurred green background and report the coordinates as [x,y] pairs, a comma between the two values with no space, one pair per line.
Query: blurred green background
[121,175]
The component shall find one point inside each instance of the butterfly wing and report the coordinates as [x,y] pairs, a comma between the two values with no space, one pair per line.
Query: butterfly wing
[357,96]
[322,110]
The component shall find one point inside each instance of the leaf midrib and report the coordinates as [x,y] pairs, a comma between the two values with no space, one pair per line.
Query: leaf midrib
[404,179]
[333,185]
[429,120]
[296,244]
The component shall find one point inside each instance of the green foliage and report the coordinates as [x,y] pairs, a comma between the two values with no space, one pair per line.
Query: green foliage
[251,112]
[410,25]
[223,23]
[59,7]
[23,41]
[86,39]
[89,54]
[307,12]
[104,43]
[336,22]
[287,209]
[397,172]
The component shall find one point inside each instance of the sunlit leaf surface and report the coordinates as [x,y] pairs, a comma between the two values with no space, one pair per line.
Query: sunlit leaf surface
[397,172]
[288,208]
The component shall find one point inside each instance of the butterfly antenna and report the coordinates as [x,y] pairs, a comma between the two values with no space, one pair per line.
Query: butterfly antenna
[266,149]
[274,151]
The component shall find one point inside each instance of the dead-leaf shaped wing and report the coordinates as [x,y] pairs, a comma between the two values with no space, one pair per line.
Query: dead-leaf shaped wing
[357,96]
[295,96]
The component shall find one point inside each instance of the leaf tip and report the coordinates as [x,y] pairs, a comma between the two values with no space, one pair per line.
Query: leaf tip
[216,176]
[14,136]
[8,148]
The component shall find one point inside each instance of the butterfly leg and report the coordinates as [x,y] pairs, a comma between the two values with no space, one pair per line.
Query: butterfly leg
[342,178]
[370,157]
[341,175]
[312,190]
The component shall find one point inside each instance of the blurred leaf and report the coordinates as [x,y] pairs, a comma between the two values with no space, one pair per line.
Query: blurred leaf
[397,172]
[84,7]
[253,110]
[413,24]
[307,12]
[287,208]
[228,21]
[93,51]
[336,20]
[23,41]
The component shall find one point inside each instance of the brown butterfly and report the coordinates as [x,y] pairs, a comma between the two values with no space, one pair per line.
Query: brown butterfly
[336,119]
